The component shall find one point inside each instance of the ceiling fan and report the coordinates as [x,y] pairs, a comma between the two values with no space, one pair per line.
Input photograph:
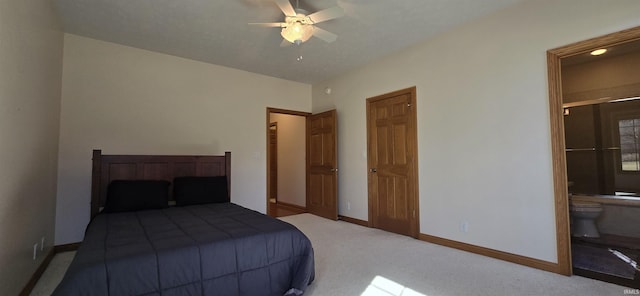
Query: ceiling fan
[299,25]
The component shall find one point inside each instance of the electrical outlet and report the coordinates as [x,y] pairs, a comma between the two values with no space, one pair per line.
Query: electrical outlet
[42,244]
[348,206]
[464,226]
[35,250]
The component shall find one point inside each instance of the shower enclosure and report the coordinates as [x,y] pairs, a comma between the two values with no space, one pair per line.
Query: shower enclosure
[603,146]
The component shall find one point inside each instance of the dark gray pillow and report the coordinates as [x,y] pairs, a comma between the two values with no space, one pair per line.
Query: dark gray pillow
[136,195]
[200,190]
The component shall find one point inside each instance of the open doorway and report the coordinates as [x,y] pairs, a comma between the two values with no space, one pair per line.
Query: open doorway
[286,162]
[588,123]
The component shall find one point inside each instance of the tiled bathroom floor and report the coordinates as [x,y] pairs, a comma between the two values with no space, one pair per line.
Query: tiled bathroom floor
[591,258]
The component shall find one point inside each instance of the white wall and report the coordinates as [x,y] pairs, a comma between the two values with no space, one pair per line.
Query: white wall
[130,101]
[291,158]
[483,121]
[31,63]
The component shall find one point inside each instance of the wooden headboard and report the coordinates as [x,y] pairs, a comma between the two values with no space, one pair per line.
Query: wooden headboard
[107,168]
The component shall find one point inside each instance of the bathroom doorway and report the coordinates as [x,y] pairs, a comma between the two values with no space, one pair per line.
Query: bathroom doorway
[595,105]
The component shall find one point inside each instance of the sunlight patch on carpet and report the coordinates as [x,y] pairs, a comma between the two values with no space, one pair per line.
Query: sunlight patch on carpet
[381,286]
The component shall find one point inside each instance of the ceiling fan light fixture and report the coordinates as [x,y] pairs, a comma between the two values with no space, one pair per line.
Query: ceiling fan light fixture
[297,32]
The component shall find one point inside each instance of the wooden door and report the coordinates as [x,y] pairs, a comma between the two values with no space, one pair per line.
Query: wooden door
[392,161]
[322,165]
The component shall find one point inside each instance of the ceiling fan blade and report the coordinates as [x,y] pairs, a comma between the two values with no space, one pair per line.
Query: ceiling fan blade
[286,7]
[285,43]
[326,14]
[324,35]
[278,25]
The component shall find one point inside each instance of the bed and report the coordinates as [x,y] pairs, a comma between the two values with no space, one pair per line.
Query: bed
[191,242]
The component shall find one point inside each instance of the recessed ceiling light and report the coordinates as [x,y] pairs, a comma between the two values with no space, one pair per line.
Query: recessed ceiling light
[598,52]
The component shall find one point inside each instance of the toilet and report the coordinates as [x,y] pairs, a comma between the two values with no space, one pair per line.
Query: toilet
[584,214]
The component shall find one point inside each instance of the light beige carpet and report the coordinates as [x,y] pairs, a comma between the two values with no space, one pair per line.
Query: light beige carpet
[355,260]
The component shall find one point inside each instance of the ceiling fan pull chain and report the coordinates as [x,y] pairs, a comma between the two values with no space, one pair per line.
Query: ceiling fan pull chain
[299,58]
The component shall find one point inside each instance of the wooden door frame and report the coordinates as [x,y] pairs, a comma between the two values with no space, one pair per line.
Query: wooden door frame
[268,125]
[559,162]
[414,145]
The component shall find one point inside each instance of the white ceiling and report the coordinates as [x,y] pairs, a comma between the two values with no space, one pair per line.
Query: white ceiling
[216,31]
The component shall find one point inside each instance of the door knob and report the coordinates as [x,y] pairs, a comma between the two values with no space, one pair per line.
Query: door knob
[373,170]
[334,170]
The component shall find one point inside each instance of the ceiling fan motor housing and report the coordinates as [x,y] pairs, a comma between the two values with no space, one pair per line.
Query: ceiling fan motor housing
[299,28]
